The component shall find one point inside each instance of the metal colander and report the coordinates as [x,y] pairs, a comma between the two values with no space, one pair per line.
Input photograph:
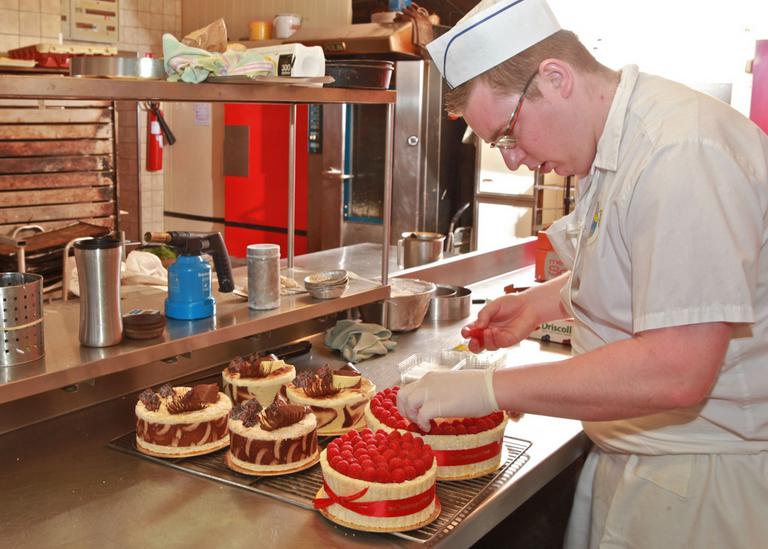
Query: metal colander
[21,318]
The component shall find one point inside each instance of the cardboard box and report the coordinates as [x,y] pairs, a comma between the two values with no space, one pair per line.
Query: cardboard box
[557,331]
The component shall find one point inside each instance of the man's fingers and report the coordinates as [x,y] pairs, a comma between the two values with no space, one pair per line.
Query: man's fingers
[486,314]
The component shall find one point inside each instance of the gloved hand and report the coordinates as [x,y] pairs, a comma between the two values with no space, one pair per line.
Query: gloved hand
[467,393]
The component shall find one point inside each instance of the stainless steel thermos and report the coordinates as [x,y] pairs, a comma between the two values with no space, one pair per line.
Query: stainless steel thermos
[98,274]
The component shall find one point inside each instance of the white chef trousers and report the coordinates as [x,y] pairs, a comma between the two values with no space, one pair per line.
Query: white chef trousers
[691,501]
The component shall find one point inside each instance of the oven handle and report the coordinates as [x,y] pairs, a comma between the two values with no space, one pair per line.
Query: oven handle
[336,173]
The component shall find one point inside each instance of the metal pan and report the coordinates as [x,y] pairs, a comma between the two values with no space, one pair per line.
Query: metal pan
[360,73]
[117,67]
[453,304]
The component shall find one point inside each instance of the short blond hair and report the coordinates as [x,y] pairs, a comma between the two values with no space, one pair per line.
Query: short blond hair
[511,75]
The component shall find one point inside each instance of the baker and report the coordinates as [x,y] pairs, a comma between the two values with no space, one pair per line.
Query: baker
[667,251]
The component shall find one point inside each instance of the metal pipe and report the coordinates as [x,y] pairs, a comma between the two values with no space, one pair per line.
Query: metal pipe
[388,157]
[291,184]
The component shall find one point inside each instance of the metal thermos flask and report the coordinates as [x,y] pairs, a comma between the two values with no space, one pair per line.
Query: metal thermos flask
[98,274]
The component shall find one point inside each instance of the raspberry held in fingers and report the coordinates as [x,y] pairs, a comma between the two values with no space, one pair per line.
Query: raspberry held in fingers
[477,334]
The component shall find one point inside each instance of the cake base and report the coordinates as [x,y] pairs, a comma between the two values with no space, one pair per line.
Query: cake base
[321,494]
[285,471]
[191,452]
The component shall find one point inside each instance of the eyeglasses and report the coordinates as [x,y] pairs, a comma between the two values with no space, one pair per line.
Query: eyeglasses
[506,140]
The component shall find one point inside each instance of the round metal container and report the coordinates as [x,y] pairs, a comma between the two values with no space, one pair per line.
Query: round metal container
[117,67]
[405,308]
[21,318]
[452,304]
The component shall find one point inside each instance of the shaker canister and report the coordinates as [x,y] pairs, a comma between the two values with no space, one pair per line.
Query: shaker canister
[263,276]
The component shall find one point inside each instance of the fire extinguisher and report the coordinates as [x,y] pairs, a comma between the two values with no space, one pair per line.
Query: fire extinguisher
[158,132]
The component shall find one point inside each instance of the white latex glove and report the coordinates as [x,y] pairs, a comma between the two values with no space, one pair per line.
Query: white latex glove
[466,393]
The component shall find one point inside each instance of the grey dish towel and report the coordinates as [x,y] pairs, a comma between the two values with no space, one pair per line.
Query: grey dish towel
[358,340]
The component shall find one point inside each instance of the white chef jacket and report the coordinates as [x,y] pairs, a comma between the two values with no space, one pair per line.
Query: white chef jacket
[670,229]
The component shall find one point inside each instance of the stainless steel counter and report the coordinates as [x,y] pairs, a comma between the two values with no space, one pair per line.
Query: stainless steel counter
[62,487]
[67,362]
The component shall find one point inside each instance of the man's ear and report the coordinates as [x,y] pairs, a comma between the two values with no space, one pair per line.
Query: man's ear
[559,76]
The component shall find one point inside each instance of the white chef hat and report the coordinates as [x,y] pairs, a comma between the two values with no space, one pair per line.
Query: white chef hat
[491,33]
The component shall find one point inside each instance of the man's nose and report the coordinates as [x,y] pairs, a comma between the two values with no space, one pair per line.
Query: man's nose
[512,157]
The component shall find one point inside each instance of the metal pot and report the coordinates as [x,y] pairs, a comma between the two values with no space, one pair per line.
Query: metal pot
[405,308]
[418,248]
[450,303]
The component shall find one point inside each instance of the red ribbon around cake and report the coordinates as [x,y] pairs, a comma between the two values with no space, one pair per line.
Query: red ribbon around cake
[383,508]
[464,457]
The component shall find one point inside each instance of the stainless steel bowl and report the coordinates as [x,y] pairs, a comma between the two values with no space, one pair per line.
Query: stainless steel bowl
[405,308]
[326,278]
[450,303]
[327,292]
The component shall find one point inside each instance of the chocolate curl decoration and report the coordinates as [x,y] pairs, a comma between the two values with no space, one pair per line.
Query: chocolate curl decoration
[281,414]
[150,399]
[197,398]
[317,384]
[250,366]
[383,508]
[248,412]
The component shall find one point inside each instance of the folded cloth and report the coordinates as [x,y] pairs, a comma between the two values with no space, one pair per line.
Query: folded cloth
[358,340]
[194,65]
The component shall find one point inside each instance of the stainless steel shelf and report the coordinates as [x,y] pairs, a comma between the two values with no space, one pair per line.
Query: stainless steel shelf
[66,362]
[67,87]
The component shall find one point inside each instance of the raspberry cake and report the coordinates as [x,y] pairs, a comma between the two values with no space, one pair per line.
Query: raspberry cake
[279,439]
[378,482]
[252,376]
[464,447]
[182,421]
[337,397]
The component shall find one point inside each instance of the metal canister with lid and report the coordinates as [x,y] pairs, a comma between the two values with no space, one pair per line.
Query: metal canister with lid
[263,276]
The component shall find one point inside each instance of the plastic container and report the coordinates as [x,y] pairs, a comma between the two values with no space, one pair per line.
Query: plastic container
[418,365]
[486,359]
[263,276]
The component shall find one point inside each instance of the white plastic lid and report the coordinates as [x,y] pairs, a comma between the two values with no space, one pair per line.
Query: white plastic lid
[263,250]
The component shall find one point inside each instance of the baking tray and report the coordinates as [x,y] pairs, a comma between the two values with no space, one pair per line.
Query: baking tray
[457,498]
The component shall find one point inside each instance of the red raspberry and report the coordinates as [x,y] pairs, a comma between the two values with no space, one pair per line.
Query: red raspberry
[366,463]
[379,460]
[473,429]
[355,471]
[347,454]
[407,437]
[362,456]
[418,466]
[342,466]
[366,433]
[398,475]
[414,428]
[395,436]
[449,430]
[461,429]
[353,435]
[334,462]
[418,442]
[406,446]
[395,463]
[380,435]
[402,424]
[369,474]
[372,449]
[382,475]
[410,472]
[333,451]
[388,454]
